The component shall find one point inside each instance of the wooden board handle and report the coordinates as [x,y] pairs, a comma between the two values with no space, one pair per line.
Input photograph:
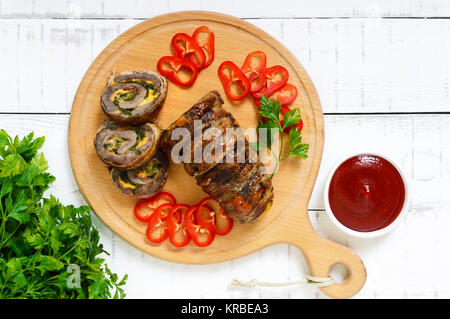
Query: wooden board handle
[321,254]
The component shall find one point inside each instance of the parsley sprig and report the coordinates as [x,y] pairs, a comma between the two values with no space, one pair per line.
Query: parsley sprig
[270,109]
[40,237]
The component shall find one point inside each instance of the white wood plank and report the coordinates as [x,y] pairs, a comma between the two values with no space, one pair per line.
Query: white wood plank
[374,65]
[357,65]
[142,9]
[9,34]
[409,262]
[417,143]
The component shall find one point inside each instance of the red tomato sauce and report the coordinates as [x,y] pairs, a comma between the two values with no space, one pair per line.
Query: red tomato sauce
[366,193]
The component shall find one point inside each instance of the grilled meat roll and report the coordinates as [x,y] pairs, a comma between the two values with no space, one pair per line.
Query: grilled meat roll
[134,98]
[210,112]
[126,147]
[145,180]
[241,189]
[203,108]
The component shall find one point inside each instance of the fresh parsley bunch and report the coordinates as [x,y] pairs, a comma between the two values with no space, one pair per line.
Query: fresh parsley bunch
[40,237]
[270,109]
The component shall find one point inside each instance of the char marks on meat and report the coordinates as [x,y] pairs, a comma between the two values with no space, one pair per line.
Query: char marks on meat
[241,189]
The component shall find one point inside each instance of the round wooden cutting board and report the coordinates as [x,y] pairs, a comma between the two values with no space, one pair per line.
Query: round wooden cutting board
[287,222]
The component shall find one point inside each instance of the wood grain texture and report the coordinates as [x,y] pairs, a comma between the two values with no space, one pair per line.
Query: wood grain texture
[411,256]
[357,65]
[144,9]
[407,263]
[288,219]
[417,143]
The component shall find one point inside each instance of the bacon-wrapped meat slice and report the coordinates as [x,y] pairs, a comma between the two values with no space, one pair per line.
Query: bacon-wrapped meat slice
[145,180]
[134,98]
[251,199]
[210,113]
[203,109]
[240,187]
[126,147]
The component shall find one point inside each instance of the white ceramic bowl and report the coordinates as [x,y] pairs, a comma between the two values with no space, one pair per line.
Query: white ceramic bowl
[360,234]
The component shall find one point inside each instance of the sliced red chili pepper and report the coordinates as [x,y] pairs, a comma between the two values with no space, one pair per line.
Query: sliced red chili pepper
[205,216]
[300,125]
[185,47]
[144,209]
[285,95]
[178,234]
[276,77]
[217,222]
[157,230]
[257,103]
[206,44]
[285,108]
[254,68]
[223,224]
[172,66]
[229,75]
[201,236]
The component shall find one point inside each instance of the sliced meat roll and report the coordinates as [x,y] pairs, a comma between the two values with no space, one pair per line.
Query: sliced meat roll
[223,180]
[212,115]
[202,109]
[145,180]
[126,147]
[210,157]
[134,98]
[244,192]
[252,200]
[241,189]
[228,177]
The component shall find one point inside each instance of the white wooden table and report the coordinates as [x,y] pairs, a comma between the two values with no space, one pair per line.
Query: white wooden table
[382,70]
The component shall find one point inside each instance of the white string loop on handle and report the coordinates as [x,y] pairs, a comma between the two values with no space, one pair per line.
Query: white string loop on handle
[307,279]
